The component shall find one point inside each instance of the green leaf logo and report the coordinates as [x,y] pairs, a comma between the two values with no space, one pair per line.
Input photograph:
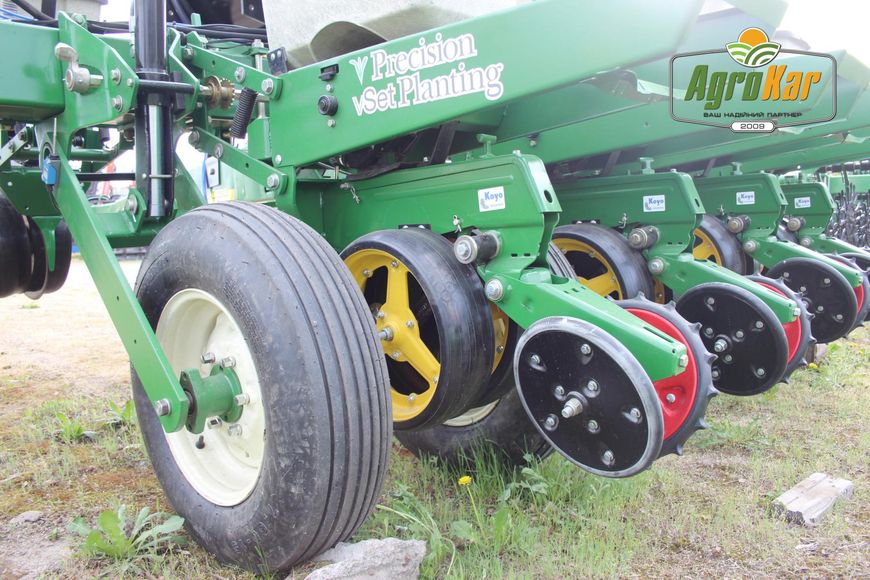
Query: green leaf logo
[753,48]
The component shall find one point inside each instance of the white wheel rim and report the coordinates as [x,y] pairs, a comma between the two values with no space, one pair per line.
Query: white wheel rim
[472,416]
[227,468]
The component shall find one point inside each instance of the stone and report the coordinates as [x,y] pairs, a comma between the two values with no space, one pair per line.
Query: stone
[809,501]
[26,517]
[385,559]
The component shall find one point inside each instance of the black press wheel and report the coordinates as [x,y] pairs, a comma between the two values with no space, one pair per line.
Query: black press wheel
[798,332]
[743,332]
[683,397]
[303,466]
[498,419]
[714,242]
[603,261]
[827,293]
[588,397]
[43,279]
[862,292]
[15,256]
[434,321]
[863,262]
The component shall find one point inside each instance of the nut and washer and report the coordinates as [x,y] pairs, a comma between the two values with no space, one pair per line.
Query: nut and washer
[273,181]
[608,458]
[550,422]
[750,246]
[495,290]
[267,86]
[163,407]
[208,358]
[656,266]
[240,74]
[118,103]
[592,426]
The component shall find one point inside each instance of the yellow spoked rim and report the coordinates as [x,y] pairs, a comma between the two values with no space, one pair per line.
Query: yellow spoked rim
[705,248]
[398,329]
[605,283]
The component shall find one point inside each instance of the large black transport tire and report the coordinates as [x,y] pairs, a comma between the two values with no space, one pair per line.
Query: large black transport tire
[304,465]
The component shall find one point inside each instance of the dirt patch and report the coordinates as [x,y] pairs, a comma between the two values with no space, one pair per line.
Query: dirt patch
[33,549]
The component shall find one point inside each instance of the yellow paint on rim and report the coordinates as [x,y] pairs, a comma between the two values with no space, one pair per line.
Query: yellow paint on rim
[405,344]
[501,324]
[705,248]
[603,284]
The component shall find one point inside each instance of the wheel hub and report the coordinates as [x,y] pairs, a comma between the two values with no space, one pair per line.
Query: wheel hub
[588,397]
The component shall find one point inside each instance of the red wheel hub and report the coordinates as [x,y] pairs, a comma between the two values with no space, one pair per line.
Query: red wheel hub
[677,393]
[792,329]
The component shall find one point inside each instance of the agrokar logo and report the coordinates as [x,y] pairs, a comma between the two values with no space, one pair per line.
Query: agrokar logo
[753,85]
[753,48]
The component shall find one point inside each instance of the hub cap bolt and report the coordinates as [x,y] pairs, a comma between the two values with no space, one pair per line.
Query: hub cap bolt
[572,407]
[759,324]
[163,407]
[215,423]
[234,430]
[671,398]
[608,458]
[494,290]
[728,358]
[228,362]
[585,349]
[208,358]
[592,385]
[242,399]
[559,391]
[720,345]
[592,426]
[550,422]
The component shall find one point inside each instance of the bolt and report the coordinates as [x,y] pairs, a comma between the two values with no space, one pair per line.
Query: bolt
[785,274]
[396,354]
[242,399]
[550,422]
[267,86]
[411,397]
[728,358]
[803,289]
[218,151]
[572,407]
[193,138]
[710,301]
[129,82]
[208,358]
[585,349]
[214,423]
[367,273]
[386,334]
[608,458]
[435,379]
[739,334]
[228,362]
[750,246]
[708,331]
[240,74]
[656,266]
[163,407]
[118,103]
[720,345]
[329,88]
[760,372]
[684,361]
[826,281]
[671,398]
[635,413]
[394,264]
[273,181]
[838,317]
[278,159]
[115,75]
[759,324]
[380,314]
[592,426]
[499,349]
[410,324]
[535,359]
[820,308]
[494,290]
[715,373]
[187,53]
[234,430]
[464,249]
[592,385]
[559,391]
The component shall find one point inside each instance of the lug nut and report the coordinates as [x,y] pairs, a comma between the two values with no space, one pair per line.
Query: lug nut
[708,331]
[607,458]
[550,422]
[214,423]
[592,385]
[710,301]
[720,345]
[395,355]
[559,391]
[759,324]
[572,407]
[635,413]
[234,430]
[242,399]
[386,334]
[760,372]
[592,426]
[838,317]
[535,359]
[826,281]
[820,308]
[671,398]
[228,362]
[728,358]
[366,273]
[585,349]
[739,334]
[208,358]
[715,373]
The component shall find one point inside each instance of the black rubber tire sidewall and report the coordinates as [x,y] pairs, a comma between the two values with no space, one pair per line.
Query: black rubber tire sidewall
[727,245]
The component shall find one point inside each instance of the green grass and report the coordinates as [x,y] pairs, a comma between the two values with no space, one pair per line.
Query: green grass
[706,513]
